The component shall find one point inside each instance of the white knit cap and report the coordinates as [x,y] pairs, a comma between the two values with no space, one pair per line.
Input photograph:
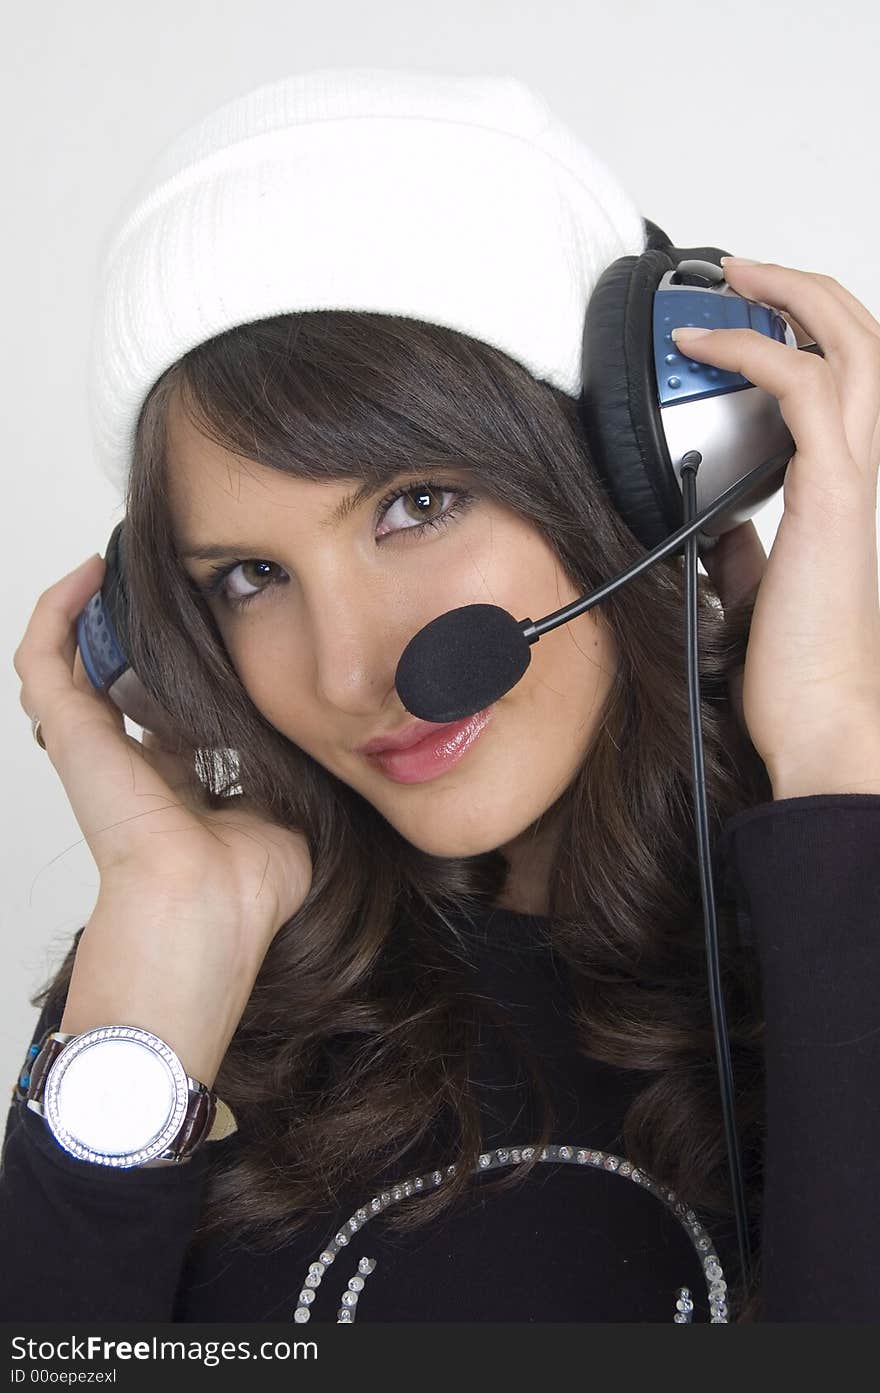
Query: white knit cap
[458,200]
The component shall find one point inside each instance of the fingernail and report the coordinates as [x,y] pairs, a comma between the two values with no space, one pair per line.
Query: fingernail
[688,334]
[738,261]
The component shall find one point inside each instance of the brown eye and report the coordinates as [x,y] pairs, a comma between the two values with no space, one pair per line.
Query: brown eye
[223,584]
[258,573]
[418,505]
[421,500]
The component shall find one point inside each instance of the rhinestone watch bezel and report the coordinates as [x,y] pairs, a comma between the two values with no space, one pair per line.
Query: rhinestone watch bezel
[160,1143]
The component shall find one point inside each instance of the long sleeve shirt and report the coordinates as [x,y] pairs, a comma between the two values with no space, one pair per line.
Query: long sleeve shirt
[587,1236]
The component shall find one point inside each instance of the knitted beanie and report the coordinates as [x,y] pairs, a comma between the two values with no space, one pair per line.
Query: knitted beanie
[459,200]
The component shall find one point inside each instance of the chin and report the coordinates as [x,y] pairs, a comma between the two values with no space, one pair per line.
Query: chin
[447,843]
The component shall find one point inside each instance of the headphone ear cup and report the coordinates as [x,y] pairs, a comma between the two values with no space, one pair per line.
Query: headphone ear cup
[101,627]
[102,639]
[618,403]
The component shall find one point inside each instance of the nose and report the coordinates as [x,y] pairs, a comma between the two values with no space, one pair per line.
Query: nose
[357,640]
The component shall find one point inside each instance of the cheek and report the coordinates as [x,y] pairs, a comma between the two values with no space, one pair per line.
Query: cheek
[572,668]
[567,685]
[272,674]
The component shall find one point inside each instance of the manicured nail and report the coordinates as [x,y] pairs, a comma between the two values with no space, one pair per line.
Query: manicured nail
[688,334]
[738,261]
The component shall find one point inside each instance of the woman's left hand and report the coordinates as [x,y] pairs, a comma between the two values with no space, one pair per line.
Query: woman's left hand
[810,694]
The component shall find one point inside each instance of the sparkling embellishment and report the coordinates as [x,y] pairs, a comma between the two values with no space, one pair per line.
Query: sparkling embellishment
[683,1307]
[345,1314]
[492,1160]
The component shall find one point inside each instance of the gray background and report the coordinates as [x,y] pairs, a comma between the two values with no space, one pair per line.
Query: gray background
[751,126]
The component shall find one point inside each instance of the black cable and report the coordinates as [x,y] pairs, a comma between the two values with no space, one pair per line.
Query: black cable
[689,467]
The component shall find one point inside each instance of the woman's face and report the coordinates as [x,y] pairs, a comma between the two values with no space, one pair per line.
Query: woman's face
[336,603]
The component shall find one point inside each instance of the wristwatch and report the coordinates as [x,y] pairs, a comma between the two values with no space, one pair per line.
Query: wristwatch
[117,1095]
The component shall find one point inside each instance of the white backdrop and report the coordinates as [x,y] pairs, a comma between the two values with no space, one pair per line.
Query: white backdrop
[750,126]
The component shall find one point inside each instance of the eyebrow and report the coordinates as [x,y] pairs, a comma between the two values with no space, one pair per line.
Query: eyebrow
[214,550]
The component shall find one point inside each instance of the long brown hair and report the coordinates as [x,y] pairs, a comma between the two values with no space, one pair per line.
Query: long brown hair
[341,1043]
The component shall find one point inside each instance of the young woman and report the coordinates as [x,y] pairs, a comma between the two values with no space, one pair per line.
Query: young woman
[455,999]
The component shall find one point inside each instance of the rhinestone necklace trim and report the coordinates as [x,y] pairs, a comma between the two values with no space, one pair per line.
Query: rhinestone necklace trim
[494,1160]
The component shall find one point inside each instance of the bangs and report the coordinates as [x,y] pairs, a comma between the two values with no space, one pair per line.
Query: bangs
[333,395]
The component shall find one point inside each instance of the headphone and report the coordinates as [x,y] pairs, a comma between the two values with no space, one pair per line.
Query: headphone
[684,450]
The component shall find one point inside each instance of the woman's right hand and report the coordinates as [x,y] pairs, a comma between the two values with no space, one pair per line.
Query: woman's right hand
[141,806]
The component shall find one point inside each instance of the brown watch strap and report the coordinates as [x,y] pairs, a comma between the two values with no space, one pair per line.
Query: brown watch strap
[198,1120]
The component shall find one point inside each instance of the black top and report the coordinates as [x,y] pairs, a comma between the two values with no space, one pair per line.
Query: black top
[585,1237]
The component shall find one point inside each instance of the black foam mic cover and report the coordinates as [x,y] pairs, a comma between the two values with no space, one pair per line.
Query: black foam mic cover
[461,662]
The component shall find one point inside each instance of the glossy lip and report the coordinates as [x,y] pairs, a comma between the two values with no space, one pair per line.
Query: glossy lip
[413,734]
[433,755]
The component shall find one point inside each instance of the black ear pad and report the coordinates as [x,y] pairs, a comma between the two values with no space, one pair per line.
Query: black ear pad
[618,404]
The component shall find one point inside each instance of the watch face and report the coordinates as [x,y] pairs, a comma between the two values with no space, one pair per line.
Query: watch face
[115,1099]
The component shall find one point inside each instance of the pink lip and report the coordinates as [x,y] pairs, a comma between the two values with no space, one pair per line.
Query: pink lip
[413,735]
[435,754]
